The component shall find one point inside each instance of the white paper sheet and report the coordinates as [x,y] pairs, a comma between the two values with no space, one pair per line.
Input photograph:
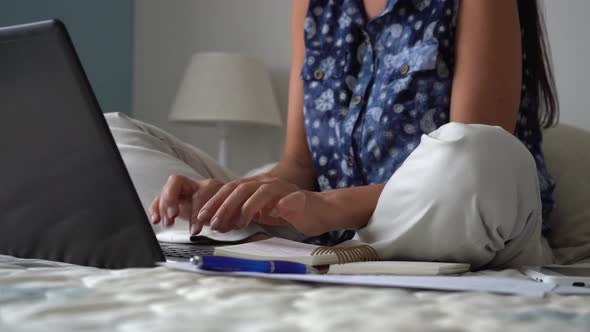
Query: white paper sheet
[501,285]
[571,290]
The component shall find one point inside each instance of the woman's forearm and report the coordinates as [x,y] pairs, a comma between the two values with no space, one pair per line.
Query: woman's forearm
[356,203]
[314,213]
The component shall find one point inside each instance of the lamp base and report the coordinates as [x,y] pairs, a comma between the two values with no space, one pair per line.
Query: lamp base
[222,156]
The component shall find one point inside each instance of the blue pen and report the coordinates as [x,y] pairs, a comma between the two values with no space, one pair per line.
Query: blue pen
[230,264]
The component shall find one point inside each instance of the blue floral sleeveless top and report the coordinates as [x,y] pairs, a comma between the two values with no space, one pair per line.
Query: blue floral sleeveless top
[373,87]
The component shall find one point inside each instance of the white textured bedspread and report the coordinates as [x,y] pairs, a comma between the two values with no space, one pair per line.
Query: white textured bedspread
[43,296]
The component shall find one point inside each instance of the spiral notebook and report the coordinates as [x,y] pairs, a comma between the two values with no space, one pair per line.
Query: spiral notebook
[308,254]
[350,257]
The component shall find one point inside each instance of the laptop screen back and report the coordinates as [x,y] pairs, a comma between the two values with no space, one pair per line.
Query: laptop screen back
[65,194]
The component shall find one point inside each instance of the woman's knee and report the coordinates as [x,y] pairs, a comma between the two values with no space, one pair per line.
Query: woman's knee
[494,170]
[483,157]
[465,191]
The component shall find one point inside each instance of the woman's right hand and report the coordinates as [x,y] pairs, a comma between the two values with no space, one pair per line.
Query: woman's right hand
[183,198]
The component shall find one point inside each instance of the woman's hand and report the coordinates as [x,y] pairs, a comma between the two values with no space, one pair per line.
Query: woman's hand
[224,206]
[240,202]
[272,201]
[182,197]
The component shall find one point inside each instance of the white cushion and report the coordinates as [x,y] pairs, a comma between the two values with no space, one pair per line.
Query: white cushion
[568,159]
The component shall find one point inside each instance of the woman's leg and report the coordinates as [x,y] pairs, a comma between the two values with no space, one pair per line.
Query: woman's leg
[468,193]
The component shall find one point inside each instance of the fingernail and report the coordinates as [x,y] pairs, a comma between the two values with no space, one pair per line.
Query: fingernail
[214,223]
[166,221]
[193,229]
[243,222]
[203,215]
[152,217]
[172,211]
[274,213]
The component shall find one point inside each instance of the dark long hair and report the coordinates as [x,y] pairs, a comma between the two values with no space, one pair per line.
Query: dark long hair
[536,47]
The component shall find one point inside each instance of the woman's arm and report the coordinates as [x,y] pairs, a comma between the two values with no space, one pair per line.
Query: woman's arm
[488,71]
[296,165]
[315,213]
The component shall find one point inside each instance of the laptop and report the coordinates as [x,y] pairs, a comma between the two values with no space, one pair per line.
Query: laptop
[65,193]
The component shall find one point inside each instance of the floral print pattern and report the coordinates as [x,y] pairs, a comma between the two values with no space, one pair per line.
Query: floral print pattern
[373,87]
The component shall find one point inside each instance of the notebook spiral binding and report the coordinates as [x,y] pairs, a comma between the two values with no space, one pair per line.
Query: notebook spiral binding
[362,253]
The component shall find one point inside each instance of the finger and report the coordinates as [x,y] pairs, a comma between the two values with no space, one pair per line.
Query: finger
[175,186]
[272,221]
[199,199]
[153,210]
[186,209]
[236,222]
[228,215]
[260,203]
[210,208]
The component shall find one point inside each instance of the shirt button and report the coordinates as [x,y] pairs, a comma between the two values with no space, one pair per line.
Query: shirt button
[350,161]
[357,100]
[405,69]
[318,74]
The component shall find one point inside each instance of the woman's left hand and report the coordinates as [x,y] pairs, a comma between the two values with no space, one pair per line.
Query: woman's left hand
[269,201]
[240,202]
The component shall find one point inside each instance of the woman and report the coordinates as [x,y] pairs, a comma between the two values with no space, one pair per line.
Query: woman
[399,122]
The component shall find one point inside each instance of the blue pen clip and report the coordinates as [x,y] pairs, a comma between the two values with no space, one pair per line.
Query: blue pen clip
[230,264]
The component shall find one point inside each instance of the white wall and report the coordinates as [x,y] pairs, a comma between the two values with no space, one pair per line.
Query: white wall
[168,32]
[569,34]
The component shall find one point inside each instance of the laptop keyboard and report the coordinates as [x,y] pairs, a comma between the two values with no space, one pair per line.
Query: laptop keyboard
[185,250]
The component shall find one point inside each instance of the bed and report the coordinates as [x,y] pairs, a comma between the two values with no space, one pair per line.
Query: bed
[45,296]
[38,295]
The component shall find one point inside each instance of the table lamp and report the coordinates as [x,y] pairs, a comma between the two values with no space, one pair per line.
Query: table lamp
[222,89]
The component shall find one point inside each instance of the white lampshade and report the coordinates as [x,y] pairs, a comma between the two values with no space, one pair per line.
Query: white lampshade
[226,87]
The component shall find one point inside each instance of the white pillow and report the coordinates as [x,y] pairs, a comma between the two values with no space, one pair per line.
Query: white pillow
[567,151]
[152,155]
